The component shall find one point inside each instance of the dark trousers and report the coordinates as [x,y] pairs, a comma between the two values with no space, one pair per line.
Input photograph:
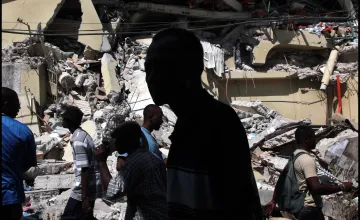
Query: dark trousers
[310,213]
[12,212]
[73,210]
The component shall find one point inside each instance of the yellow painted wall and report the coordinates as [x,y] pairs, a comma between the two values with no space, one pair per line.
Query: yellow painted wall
[295,99]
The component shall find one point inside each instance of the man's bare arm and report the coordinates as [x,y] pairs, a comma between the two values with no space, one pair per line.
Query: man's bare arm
[84,182]
[315,187]
[105,175]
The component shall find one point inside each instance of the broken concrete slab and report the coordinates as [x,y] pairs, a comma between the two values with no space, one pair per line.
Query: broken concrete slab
[278,162]
[65,181]
[265,192]
[52,168]
[41,196]
[287,39]
[115,211]
[90,21]
[48,145]
[280,140]
[47,168]
[108,65]
[169,114]
[62,198]
[341,153]
[53,212]
[140,96]
[80,79]
[325,143]
[339,208]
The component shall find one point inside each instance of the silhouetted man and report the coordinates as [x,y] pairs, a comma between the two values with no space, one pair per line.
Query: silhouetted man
[209,164]
[18,155]
[152,121]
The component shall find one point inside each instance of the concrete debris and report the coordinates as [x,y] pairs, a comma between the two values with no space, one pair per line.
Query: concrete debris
[280,140]
[256,106]
[265,127]
[265,192]
[115,211]
[169,115]
[90,85]
[61,199]
[67,81]
[108,65]
[350,48]
[53,212]
[341,153]
[65,181]
[47,167]
[277,126]
[80,79]
[40,197]
[48,144]
[324,144]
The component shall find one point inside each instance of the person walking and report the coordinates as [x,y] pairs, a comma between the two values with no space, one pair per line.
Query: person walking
[142,178]
[88,185]
[309,186]
[209,144]
[152,121]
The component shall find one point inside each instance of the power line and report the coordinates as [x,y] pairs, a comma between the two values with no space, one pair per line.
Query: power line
[293,18]
[137,23]
[161,22]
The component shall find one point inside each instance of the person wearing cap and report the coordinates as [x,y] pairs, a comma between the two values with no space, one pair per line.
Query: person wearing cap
[142,178]
[18,154]
[209,145]
[152,121]
[87,177]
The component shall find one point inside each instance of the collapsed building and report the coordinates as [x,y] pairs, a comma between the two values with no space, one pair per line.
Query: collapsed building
[279,65]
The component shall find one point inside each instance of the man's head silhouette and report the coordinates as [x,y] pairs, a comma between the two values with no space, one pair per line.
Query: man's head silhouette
[174,64]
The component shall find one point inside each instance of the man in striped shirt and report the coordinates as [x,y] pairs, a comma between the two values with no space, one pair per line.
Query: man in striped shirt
[209,150]
[88,185]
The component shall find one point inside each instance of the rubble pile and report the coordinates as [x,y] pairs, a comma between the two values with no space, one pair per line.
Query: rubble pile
[272,140]
[19,54]
[107,103]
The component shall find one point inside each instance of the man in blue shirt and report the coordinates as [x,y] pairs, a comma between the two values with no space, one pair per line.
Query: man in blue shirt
[18,155]
[152,121]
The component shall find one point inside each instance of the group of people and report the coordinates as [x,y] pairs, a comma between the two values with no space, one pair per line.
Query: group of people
[198,180]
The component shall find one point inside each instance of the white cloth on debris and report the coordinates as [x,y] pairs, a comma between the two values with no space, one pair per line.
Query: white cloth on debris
[213,58]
